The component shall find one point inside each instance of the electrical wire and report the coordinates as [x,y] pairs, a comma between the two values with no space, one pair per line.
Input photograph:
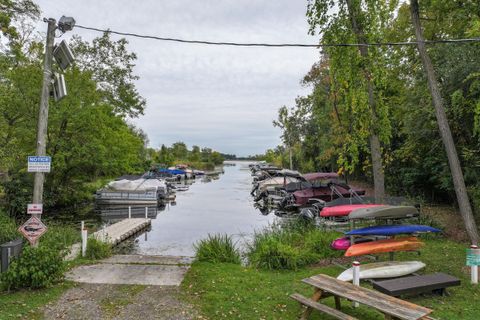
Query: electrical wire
[280,45]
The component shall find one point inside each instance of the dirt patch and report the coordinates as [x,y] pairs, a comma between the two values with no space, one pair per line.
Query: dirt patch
[102,301]
[448,219]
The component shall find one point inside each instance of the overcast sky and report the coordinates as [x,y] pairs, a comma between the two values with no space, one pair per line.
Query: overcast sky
[219,97]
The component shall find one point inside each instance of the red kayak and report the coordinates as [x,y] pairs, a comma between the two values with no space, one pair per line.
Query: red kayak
[344,210]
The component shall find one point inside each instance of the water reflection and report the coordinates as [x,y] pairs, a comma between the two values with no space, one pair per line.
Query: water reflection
[212,204]
[113,214]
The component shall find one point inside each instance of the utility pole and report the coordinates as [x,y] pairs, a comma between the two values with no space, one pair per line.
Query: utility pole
[445,132]
[43,111]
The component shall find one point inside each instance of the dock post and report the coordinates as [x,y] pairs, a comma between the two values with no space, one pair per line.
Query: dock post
[356,278]
[84,239]
[129,212]
[474,268]
[146,212]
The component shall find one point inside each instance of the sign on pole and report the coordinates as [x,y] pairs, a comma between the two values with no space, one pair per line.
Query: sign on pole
[35,208]
[32,229]
[473,257]
[39,163]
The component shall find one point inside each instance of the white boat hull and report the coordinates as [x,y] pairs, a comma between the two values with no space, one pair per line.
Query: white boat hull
[379,270]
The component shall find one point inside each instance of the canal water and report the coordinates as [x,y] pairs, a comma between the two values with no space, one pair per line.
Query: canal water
[209,206]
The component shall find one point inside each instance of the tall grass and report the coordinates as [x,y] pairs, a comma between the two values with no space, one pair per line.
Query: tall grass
[290,245]
[217,248]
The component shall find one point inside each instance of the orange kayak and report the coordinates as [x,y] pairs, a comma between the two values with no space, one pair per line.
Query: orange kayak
[388,245]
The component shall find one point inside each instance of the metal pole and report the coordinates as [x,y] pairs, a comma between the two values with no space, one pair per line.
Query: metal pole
[356,277]
[129,212]
[474,269]
[43,111]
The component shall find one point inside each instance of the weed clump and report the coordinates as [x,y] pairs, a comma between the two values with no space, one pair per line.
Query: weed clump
[97,249]
[290,245]
[217,248]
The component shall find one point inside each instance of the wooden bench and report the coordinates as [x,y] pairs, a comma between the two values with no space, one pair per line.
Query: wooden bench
[436,282]
[325,286]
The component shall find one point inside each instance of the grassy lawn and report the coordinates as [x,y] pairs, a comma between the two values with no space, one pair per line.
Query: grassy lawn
[27,304]
[229,291]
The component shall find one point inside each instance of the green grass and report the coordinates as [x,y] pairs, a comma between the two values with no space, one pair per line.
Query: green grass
[229,291]
[217,248]
[27,304]
[290,245]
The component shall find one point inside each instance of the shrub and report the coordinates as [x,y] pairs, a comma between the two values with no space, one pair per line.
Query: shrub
[217,248]
[97,249]
[290,245]
[35,268]
[8,229]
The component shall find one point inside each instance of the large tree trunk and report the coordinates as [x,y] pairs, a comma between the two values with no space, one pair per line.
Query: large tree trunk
[375,149]
[446,134]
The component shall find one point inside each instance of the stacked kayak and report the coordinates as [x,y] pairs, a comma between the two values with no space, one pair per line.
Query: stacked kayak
[345,210]
[369,211]
[382,246]
[392,230]
[364,235]
[387,269]
[383,212]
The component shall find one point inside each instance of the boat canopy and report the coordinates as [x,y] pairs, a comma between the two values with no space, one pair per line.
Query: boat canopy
[320,176]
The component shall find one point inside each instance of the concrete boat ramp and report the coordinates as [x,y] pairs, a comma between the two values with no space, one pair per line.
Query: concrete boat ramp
[133,269]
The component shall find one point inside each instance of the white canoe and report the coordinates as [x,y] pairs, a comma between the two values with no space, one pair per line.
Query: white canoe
[384,212]
[387,269]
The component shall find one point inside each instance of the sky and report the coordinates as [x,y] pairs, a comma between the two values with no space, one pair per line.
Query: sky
[220,97]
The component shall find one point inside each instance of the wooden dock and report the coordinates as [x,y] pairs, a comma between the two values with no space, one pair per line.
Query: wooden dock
[121,230]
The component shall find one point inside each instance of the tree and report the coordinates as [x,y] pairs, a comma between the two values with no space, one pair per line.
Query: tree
[111,66]
[445,132]
[357,74]
[288,122]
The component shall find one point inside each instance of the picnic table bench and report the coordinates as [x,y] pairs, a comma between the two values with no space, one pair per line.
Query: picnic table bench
[325,286]
[435,282]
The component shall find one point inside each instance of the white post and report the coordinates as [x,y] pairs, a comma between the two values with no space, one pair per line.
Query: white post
[129,212]
[146,212]
[474,269]
[356,277]
[84,241]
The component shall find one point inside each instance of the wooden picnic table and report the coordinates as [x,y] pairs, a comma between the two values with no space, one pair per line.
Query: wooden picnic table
[391,307]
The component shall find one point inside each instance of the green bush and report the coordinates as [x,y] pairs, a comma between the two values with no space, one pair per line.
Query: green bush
[290,245]
[35,268]
[97,249]
[60,236]
[217,248]
[8,228]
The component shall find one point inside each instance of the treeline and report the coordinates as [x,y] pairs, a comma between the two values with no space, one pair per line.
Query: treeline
[88,133]
[178,153]
[331,128]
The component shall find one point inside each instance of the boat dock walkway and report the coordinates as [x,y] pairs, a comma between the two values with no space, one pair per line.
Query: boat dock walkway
[121,230]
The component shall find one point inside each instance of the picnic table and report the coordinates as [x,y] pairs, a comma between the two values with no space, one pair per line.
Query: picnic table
[326,286]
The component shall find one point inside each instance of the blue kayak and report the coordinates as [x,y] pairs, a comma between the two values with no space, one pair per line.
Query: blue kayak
[391,230]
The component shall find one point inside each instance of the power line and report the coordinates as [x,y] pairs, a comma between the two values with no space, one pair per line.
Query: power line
[280,45]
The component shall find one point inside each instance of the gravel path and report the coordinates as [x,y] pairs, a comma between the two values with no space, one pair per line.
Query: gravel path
[105,301]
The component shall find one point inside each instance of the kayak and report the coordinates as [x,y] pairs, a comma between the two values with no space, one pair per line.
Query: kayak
[391,230]
[387,269]
[384,212]
[344,210]
[344,243]
[380,246]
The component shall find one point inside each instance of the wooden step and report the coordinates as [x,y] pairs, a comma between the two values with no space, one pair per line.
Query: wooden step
[321,307]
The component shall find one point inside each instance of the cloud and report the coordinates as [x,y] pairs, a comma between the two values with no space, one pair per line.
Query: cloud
[220,97]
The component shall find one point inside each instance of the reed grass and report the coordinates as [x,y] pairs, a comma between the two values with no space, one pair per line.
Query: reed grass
[217,248]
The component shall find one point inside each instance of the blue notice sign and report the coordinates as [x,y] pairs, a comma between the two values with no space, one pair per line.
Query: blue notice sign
[39,163]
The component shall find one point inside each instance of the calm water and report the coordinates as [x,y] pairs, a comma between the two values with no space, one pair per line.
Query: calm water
[219,206]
